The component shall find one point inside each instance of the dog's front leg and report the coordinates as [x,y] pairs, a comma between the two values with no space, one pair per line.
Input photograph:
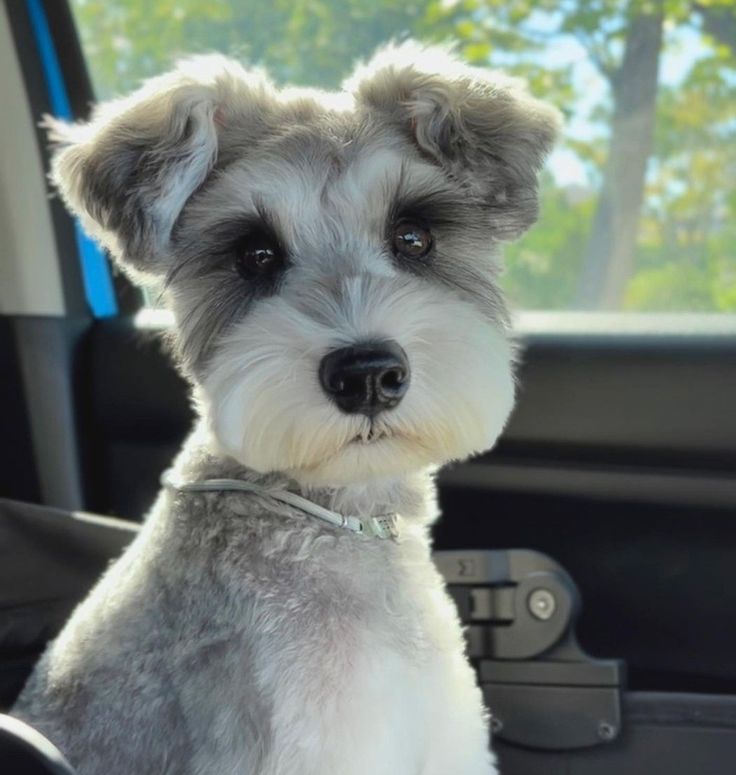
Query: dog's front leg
[459,743]
[465,753]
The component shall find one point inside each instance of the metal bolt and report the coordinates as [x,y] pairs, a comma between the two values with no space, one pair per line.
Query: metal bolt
[542,604]
[606,731]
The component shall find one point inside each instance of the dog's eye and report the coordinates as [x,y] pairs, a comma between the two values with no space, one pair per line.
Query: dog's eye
[411,240]
[257,254]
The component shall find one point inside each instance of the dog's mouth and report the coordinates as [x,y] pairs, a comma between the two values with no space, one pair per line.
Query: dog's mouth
[369,436]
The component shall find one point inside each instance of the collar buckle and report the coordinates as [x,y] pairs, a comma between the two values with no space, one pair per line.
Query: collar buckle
[382,526]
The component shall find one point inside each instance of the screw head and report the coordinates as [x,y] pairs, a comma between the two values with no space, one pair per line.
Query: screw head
[541,604]
[606,731]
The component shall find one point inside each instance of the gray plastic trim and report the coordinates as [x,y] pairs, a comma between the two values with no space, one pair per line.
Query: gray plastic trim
[622,484]
[45,348]
[30,281]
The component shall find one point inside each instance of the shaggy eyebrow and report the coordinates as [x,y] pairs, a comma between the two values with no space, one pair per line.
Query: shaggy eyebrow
[434,207]
[439,206]
[225,231]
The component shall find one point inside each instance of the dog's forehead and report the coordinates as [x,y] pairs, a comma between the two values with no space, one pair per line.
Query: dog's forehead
[310,176]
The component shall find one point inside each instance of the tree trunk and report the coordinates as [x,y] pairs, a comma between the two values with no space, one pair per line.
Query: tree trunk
[609,255]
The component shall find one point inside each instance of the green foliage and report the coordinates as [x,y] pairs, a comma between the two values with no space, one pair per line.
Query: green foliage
[542,270]
[686,257]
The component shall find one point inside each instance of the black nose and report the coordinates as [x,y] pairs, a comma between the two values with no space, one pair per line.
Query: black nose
[365,378]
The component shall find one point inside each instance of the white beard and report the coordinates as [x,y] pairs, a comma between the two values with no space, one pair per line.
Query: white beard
[266,408]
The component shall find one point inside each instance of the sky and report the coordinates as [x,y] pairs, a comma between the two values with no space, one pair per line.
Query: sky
[684,46]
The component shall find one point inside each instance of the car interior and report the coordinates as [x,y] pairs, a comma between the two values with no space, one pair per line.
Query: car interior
[591,553]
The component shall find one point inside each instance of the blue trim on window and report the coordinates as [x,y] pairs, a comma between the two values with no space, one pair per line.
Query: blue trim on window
[96,276]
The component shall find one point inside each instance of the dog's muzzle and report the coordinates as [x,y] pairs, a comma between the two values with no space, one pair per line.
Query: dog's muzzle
[365,378]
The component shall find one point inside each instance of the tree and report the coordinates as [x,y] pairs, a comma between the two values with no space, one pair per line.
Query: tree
[609,254]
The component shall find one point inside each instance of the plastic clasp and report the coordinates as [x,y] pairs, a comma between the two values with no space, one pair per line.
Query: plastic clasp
[382,526]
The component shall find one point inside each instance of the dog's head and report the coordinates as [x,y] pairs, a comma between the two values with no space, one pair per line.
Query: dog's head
[330,259]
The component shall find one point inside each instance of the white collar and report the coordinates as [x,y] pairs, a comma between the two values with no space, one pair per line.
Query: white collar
[382,526]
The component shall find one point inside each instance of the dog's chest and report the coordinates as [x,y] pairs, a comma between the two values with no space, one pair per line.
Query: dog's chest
[359,706]
[349,659]
[357,685]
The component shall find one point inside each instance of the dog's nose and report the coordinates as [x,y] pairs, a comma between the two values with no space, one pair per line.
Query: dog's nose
[365,378]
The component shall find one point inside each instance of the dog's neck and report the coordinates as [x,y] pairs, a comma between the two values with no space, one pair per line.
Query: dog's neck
[411,495]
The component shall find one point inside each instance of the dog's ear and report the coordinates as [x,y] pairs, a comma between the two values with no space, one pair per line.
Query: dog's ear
[129,171]
[482,126]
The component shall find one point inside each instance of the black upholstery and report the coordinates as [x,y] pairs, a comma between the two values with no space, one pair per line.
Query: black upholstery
[49,559]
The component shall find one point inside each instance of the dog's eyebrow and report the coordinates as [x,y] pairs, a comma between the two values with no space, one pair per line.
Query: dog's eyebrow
[222,232]
[441,206]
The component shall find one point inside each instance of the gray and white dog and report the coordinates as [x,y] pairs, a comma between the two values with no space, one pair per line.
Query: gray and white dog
[331,263]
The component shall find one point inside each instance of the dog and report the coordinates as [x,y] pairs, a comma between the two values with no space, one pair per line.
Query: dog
[331,261]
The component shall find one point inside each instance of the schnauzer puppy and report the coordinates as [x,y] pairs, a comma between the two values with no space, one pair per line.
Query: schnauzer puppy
[331,263]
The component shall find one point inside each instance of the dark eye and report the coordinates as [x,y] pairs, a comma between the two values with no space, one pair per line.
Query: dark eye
[410,240]
[258,254]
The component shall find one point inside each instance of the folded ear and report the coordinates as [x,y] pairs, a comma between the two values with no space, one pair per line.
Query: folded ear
[482,126]
[129,171]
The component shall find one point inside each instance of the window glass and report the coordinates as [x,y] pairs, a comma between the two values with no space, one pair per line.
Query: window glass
[638,202]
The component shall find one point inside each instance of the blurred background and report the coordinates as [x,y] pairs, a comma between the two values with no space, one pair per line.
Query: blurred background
[639,201]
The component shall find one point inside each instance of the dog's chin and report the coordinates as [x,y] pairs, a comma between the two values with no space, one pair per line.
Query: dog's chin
[366,458]
[383,454]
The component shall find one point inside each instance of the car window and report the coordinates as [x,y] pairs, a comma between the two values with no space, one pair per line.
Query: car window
[638,202]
